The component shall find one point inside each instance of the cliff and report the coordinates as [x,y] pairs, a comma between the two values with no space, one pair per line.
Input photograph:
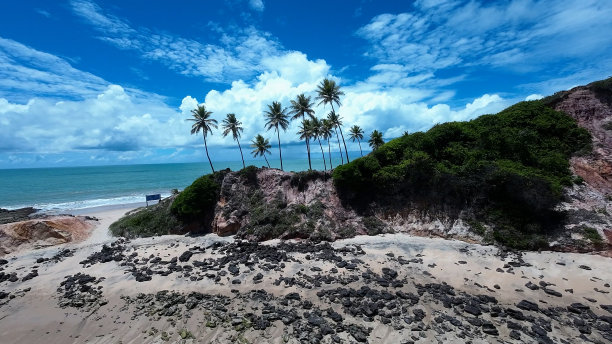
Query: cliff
[525,178]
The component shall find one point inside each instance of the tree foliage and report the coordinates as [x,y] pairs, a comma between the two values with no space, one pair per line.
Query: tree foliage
[511,167]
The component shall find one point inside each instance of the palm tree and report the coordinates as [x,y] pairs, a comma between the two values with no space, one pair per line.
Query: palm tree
[306,133]
[261,147]
[376,140]
[300,107]
[333,119]
[317,130]
[326,133]
[276,117]
[234,126]
[356,133]
[329,92]
[202,121]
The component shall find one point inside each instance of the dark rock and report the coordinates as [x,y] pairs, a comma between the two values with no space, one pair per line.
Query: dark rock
[528,306]
[185,256]
[578,308]
[532,286]
[552,292]
[472,309]
[490,329]
[584,267]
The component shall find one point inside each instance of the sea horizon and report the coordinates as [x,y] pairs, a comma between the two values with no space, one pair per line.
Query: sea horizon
[64,189]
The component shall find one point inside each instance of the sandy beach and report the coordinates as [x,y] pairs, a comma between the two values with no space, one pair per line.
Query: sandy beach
[209,289]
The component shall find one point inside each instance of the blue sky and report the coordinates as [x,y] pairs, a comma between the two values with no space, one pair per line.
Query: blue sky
[104,82]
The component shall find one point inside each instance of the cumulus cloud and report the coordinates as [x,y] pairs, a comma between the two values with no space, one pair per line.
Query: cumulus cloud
[232,56]
[113,121]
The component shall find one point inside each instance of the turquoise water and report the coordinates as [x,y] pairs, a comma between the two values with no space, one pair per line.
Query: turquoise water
[69,188]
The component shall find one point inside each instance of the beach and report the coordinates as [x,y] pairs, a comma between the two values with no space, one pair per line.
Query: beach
[210,289]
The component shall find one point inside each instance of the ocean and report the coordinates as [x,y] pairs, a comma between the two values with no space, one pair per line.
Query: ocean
[73,188]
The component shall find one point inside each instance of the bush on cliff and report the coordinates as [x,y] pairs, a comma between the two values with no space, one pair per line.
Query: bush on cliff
[145,222]
[511,167]
[197,200]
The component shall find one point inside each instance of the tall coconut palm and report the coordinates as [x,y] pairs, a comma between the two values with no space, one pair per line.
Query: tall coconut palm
[326,133]
[300,107]
[356,133]
[202,121]
[334,119]
[261,147]
[276,117]
[317,130]
[234,126]
[376,140]
[329,92]
[305,133]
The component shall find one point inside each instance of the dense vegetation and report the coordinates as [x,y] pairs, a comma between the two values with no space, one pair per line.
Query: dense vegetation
[197,200]
[145,222]
[510,168]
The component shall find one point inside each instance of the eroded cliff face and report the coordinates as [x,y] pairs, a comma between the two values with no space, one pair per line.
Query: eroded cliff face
[588,205]
[594,114]
[276,204]
[42,232]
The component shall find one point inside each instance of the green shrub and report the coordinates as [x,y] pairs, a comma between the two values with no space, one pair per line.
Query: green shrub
[302,178]
[513,165]
[373,225]
[145,222]
[249,174]
[592,235]
[197,200]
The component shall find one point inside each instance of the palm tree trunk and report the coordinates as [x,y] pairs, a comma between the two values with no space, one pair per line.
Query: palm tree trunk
[242,156]
[308,150]
[360,147]
[339,147]
[280,152]
[323,154]
[208,156]
[346,150]
[331,167]
[336,129]
[267,161]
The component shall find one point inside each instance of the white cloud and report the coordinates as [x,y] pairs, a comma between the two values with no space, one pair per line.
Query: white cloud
[112,121]
[257,5]
[25,71]
[534,96]
[521,34]
[238,54]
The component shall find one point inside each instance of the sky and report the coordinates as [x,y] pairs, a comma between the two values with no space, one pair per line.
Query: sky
[86,82]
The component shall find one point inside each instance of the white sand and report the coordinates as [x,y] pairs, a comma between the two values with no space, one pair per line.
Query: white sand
[36,317]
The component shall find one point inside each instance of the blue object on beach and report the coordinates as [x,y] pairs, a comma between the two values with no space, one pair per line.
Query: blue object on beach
[156,197]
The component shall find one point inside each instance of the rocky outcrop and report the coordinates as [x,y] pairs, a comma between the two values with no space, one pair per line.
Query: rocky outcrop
[588,224]
[271,203]
[593,113]
[285,204]
[42,232]
[22,214]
